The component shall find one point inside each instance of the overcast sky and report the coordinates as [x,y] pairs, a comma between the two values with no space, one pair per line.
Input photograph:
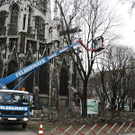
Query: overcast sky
[127,30]
[127,18]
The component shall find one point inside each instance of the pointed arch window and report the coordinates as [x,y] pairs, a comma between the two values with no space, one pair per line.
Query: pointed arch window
[28,84]
[43,5]
[2,21]
[44,79]
[64,83]
[40,27]
[14,19]
[12,68]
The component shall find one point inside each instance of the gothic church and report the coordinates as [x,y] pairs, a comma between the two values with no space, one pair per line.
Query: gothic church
[27,34]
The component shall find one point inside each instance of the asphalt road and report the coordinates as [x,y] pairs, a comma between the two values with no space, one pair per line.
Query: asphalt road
[128,134]
[15,130]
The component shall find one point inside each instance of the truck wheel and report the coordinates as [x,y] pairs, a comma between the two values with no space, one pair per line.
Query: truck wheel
[24,125]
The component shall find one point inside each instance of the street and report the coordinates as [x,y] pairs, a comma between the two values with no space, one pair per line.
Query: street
[128,134]
[15,130]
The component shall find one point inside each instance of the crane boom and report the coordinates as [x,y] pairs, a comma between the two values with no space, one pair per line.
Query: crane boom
[35,65]
[32,67]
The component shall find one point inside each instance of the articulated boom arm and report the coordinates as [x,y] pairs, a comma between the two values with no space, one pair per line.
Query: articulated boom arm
[35,65]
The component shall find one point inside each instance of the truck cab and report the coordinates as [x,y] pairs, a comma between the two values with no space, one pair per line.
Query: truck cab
[14,107]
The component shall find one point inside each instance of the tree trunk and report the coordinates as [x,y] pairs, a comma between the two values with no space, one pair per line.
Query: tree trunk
[84,101]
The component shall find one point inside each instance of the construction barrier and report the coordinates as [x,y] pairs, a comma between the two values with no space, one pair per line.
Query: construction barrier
[106,129]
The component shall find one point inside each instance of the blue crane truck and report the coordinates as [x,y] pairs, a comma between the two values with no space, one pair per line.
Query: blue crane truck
[14,107]
[14,104]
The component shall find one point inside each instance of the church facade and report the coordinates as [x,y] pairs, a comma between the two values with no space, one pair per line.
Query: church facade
[27,34]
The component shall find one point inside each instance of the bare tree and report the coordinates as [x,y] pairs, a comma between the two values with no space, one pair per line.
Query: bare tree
[118,71]
[95,16]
